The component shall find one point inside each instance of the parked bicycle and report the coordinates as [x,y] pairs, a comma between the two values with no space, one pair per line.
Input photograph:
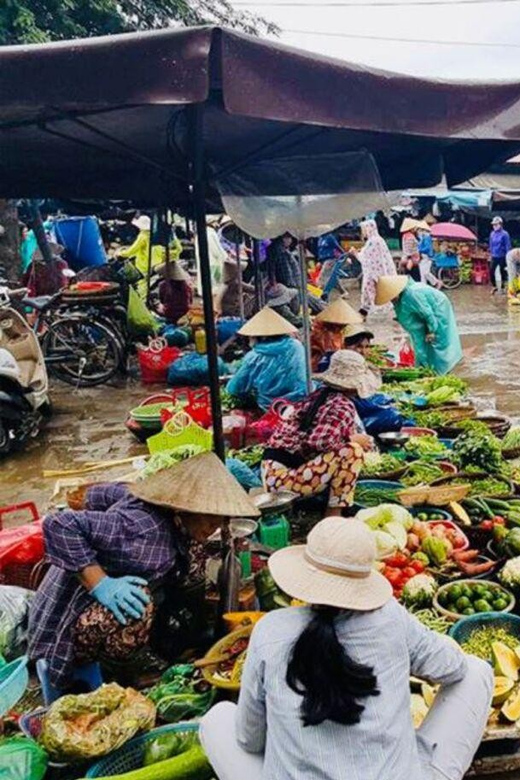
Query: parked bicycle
[78,348]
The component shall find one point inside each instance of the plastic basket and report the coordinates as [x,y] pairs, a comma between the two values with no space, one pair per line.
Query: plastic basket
[155,360]
[220,649]
[464,627]
[275,532]
[178,431]
[14,679]
[131,755]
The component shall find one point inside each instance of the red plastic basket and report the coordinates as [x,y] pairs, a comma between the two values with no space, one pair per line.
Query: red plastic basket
[155,360]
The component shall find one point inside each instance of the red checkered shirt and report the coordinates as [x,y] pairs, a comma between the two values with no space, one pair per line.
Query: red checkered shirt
[333,426]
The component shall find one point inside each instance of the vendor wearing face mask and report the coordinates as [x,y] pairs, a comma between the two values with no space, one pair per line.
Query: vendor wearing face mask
[107,558]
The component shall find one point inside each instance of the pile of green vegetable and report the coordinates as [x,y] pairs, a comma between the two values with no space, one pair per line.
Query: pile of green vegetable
[251,456]
[480,641]
[431,419]
[369,495]
[376,464]
[425,447]
[476,449]
[470,598]
[421,472]
[432,620]
[164,460]
[511,440]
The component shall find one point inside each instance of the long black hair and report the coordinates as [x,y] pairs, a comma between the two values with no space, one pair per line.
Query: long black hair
[321,671]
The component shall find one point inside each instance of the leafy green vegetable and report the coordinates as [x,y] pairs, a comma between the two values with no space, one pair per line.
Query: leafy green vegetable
[251,456]
[168,745]
[375,464]
[164,460]
[425,447]
[512,438]
[421,472]
[443,395]
[378,517]
[477,449]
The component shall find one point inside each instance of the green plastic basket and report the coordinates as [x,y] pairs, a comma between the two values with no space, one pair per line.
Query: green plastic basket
[130,756]
[180,430]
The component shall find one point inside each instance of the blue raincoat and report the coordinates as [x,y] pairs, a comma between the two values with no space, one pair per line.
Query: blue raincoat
[421,310]
[273,369]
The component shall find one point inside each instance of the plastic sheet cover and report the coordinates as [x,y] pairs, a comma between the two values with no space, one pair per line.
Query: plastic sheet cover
[306,196]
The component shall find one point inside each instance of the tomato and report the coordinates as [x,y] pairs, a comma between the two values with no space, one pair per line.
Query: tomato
[498,520]
[417,566]
[458,542]
[394,576]
[409,572]
[486,525]
[397,560]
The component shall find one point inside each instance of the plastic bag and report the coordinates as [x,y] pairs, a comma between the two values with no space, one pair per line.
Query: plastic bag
[116,715]
[14,613]
[377,417]
[182,694]
[22,759]
[22,545]
[139,318]
[193,369]
[243,474]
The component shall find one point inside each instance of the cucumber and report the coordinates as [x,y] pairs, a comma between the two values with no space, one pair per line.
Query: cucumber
[497,504]
[191,765]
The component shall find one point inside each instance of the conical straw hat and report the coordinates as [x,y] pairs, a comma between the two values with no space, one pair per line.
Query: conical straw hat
[423,225]
[172,271]
[389,287]
[340,313]
[200,485]
[267,323]
[409,224]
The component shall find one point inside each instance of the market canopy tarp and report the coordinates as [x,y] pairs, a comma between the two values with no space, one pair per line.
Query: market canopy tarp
[110,117]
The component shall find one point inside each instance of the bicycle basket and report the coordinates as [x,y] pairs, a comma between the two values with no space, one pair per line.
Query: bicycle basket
[180,430]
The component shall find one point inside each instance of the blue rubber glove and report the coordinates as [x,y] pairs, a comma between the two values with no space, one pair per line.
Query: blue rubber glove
[123,596]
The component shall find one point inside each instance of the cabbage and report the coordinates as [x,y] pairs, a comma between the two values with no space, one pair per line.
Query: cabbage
[396,530]
[377,517]
[385,544]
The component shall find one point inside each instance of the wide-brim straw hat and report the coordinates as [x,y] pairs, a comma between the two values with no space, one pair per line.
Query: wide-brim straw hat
[280,295]
[348,370]
[334,569]
[267,323]
[340,313]
[200,485]
[143,222]
[172,271]
[55,249]
[389,287]
[357,330]
[409,224]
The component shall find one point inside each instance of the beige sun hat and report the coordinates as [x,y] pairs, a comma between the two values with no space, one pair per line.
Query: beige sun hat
[389,287]
[201,484]
[335,568]
[143,222]
[409,224]
[340,313]
[267,323]
[348,370]
[357,330]
[172,271]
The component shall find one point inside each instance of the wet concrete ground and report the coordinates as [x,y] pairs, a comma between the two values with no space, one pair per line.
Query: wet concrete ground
[88,425]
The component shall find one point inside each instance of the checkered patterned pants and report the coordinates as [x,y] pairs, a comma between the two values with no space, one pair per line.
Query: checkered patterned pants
[336,471]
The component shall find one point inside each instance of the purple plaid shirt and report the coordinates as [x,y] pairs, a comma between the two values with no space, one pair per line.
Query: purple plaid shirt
[122,534]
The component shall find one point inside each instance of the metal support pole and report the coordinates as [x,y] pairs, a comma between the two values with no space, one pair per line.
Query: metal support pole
[259,290]
[305,313]
[39,232]
[199,205]
[239,272]
[153,227]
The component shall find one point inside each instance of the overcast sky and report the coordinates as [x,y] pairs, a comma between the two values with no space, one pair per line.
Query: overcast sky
[494,21]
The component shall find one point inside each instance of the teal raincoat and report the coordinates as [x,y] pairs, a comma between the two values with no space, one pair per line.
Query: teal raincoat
[421,310]
[271,370]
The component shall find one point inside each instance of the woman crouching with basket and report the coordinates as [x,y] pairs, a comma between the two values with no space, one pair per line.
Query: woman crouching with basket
[317,448]
[326,688]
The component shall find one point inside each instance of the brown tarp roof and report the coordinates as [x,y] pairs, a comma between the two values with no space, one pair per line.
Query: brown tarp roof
[109,117]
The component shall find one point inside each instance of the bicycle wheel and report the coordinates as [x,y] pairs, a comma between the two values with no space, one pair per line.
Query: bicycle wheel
[81,352]
[450,277]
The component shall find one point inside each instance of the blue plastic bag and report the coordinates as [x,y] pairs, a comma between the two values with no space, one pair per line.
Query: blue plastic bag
[193,370]
[243,474]
[378,417]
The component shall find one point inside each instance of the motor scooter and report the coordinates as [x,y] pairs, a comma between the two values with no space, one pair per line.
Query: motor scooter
[24,399]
